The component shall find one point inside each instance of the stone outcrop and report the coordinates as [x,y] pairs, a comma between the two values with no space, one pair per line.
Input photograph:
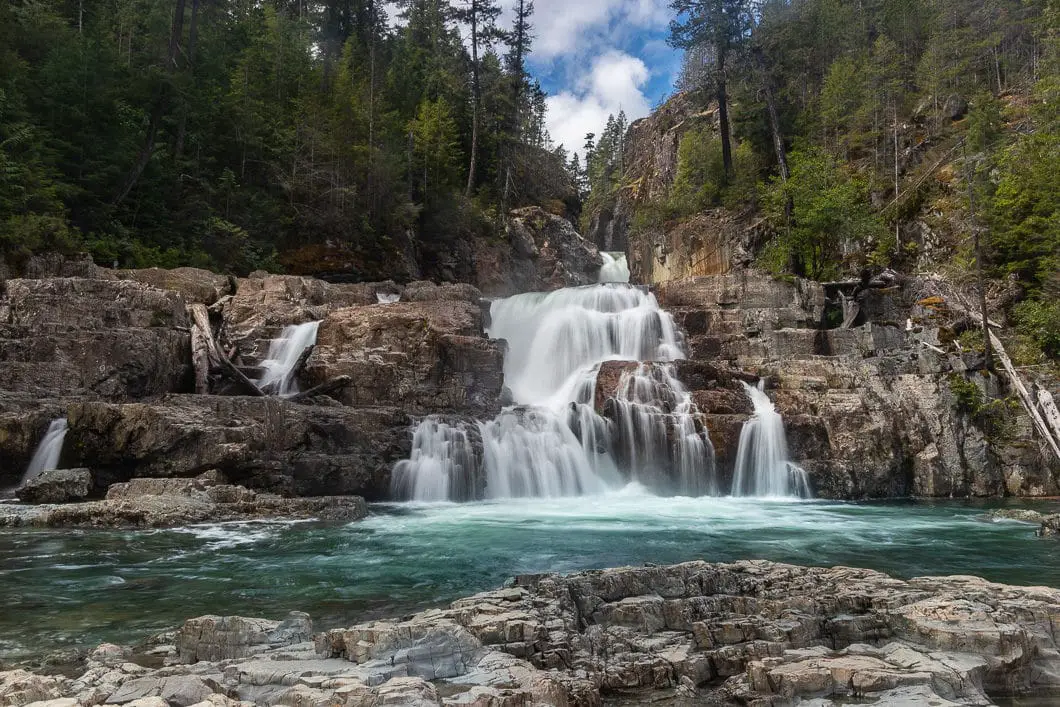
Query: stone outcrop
[542,252]
[870,410]
[160,503]
[57,486]
[747,633]
[264,443]
[426,356]
[99,338]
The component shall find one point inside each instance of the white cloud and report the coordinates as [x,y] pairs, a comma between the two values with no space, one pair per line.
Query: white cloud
[613,83]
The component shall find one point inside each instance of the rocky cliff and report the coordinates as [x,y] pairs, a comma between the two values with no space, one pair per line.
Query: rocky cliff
[747,633]
[111,352]
[873,410]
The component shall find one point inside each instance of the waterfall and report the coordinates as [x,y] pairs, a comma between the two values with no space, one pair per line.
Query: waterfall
[442,465]
[614,269]
[552,442]
[283,356]
[387,298]
[762,465]
[661,435]
[46,456]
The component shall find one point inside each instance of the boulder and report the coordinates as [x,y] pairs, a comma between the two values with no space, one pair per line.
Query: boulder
[57,486]
[1050,525]
[426,356]
[21,687]
[542,252]
[214,638]
[265,443]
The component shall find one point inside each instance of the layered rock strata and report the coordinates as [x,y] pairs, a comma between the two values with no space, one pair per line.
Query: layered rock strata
[746,633]
[872,410]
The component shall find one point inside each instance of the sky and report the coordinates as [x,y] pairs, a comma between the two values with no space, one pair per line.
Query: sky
[596,57]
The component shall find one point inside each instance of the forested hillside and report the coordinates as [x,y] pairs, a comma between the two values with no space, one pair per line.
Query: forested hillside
[873,133]
[285,134]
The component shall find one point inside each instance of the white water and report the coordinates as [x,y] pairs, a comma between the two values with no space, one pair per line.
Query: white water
[283,355]
[762,465]
[553,443]
[46,457]
[661,435]
[385,298]
[442,465]
[614,269]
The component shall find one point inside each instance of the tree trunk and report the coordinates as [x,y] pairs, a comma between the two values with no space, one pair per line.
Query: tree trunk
[474,102]
[723,124]
[158,110]
[204,348]
[193,34]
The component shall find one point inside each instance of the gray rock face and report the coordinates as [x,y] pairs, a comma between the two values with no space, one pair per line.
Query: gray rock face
[215,638]
[57,486]
[264,443]
[870,410]
[543,252]
[99,338]
[426,356]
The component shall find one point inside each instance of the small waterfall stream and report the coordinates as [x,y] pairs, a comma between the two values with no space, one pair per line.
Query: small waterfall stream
[46,456]
[614,269]
[762,465]
[284,352]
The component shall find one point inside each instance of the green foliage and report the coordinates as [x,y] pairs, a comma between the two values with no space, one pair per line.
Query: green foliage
[829,209]
[1040,321]
[700,177]
[992,415]
[240,132]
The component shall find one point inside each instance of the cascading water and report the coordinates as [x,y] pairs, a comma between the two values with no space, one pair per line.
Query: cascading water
[283,356]
[46,456]
[552,442]
[762,465]
[387,298]
[442,465]
[661,435]
[614,269]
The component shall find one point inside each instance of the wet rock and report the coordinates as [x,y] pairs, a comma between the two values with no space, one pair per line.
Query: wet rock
[264,443]
[163,503]
[57,486]
[1021,514]
[543,252]
[427,356]
[1050,525]
[423,291]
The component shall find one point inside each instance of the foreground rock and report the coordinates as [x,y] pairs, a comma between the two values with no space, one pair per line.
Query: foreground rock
[746,633]
[57,486]
[159,503]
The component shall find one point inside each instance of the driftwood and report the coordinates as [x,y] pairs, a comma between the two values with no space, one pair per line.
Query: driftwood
[203,347]
[207,356]
[323,389]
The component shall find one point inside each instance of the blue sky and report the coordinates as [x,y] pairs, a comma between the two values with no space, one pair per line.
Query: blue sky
[596,57]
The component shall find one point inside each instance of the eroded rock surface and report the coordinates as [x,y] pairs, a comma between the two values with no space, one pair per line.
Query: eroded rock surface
[543,252]
[745,633]
[264,443]
[426,355]
[160,503]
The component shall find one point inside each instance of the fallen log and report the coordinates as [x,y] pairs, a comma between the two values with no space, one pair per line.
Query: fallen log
[323,389]
[203,347]
[230,371]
